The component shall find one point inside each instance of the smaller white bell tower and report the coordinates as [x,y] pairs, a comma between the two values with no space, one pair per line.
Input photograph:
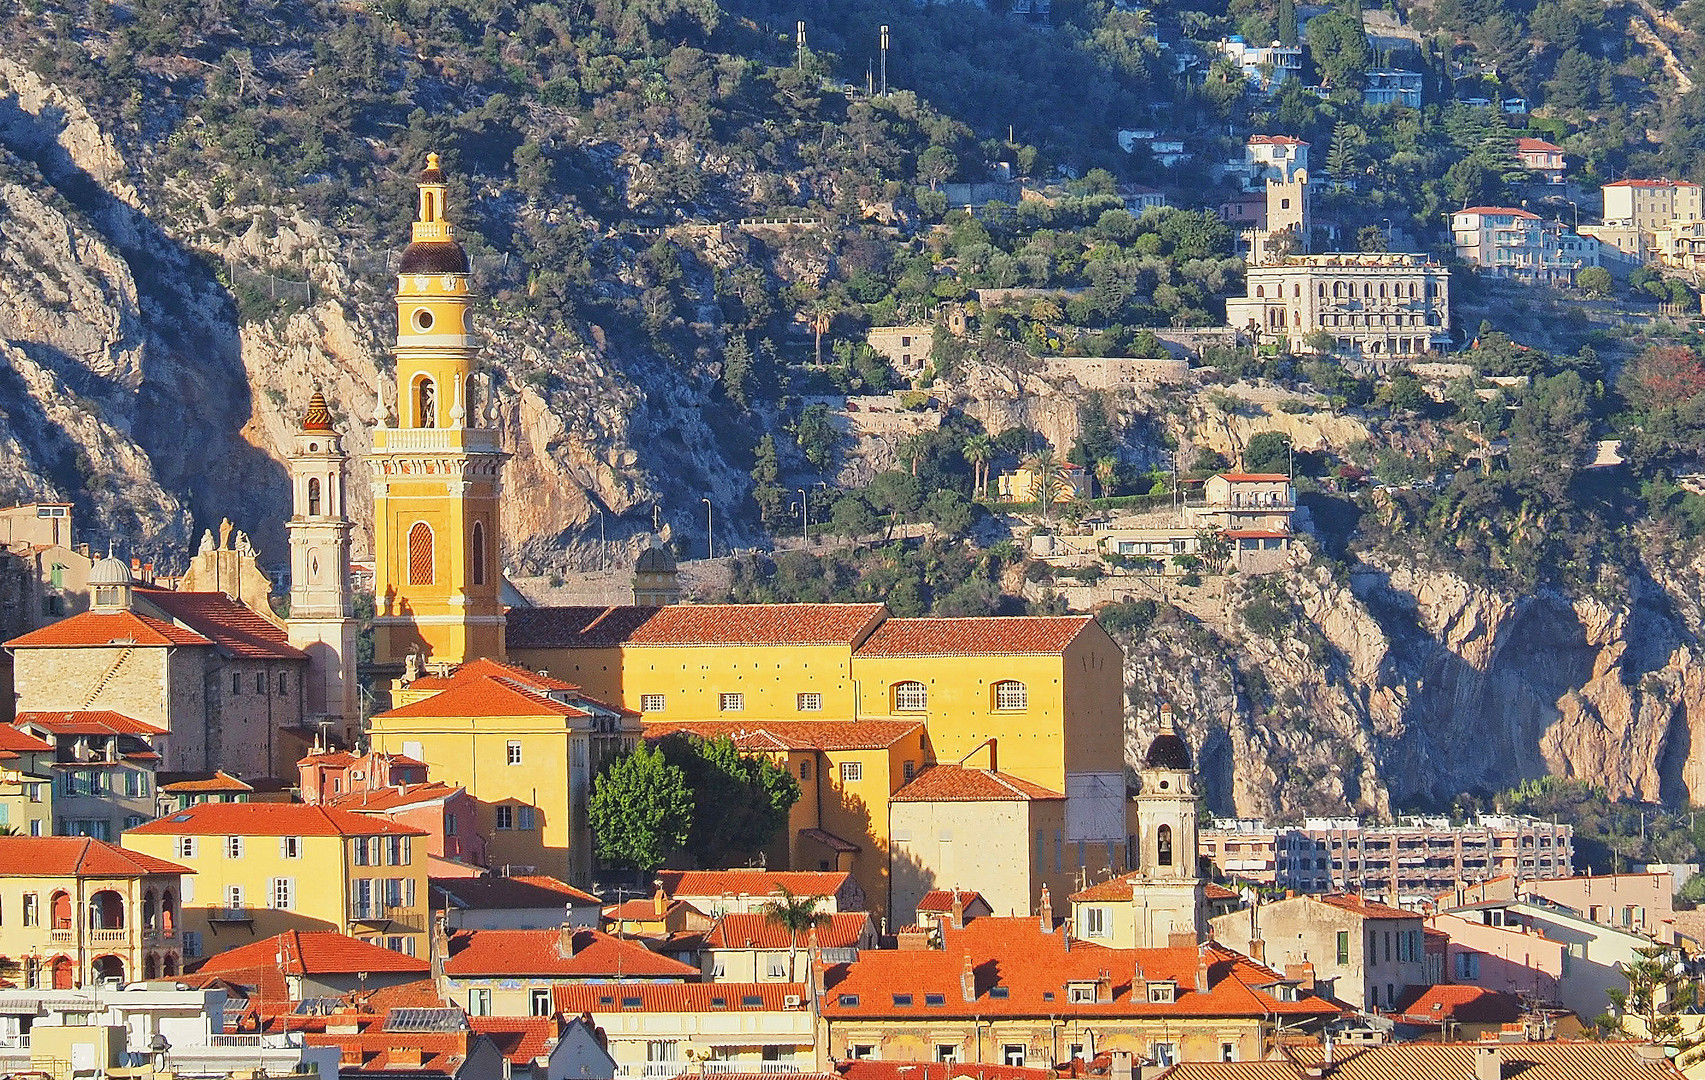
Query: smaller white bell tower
[322,622]
[1168,882]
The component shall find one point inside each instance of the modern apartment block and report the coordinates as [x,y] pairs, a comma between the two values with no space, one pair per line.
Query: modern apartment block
[1413,857]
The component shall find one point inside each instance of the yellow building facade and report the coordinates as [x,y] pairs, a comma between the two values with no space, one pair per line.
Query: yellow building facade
[436,473]
[265,868]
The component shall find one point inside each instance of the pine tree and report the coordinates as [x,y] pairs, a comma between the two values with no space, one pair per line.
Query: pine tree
[1287,22]
[766,472]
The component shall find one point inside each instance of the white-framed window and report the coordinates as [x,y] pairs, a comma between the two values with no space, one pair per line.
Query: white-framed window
[910,696]
[1011,694]
[1080,993]
[185,847]
[524,818]
[290,847]
[811,702]
[234,897]
[505,817]
[1164,1053]
[1094,922]
[652,702]
[283,893]
[1013,1054]
[512,753]
[479,1001]
[1160,993]
[852,772]
[776,968]
[539,1001]
[233,847]
[731,702]
[1467,966]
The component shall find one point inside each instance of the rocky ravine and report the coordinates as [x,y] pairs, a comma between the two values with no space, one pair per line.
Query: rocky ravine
[1402,687]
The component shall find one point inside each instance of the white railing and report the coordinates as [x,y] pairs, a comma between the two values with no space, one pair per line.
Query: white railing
[651,1070]
[245,1041]
[107,937]
[14,1042]
[435,439]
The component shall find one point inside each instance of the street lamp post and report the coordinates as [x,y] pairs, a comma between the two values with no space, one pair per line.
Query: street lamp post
[709,539]
[601,544]
[805,516]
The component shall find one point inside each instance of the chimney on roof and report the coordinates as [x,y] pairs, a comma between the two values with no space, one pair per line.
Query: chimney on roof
[565,941]
[1258,950]
[1183,939]
[968,980]
[1047,911]
[660,901]
[1302,974]
[1104,985]
[958,910]
[1202,971]
[1488,1062]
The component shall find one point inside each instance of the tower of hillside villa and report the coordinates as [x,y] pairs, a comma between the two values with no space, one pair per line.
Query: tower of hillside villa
[322,622]
[436,473]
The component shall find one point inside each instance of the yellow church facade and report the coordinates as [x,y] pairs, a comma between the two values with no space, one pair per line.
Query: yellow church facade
[855,703]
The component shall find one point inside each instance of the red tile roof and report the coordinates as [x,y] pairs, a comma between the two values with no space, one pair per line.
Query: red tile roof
[868,1069]
[644,909]
[235,628]
[545,881]
[1432,1005]
[1036,969]
[14,742]
[87,722]
[76,856]
[758,624]
[1430,1061]
[521,1039]
[1651,183]
[219,781]
[485,666]
[1368,909]
[1537,146]
[676,997]
[270,819]
[981,636]
[940,901]
[1218,892]
[1253,477]
[476,953]
[375,1052]
[794,734]
[1118,888]
[510,894]
[384,800]
[103,628]
[1502,211]
[310,952]
[572,627]
[1255,534]
[486,695]
[1276,140]
[956,783]
[742,882]
[756,930]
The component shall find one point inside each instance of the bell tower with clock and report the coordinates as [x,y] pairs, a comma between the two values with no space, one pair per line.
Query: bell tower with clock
[435,474]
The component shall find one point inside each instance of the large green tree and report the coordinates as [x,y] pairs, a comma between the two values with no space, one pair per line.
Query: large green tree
[740,801]
[641,810]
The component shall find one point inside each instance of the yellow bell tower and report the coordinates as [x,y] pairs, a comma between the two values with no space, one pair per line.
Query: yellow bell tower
[435,477]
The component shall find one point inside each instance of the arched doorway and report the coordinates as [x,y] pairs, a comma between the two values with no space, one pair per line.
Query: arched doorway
[170,967]
[150,967]
[108,967]
[64,974]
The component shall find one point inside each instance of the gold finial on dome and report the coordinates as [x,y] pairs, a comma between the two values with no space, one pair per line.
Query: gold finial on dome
[318,417]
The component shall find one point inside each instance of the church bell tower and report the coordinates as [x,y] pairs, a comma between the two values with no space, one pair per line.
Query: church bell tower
[322,622]
[1168,881]
[435,474]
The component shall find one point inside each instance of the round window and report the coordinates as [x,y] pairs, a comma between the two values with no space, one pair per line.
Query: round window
[313,447]
[422,319]
[1164,784]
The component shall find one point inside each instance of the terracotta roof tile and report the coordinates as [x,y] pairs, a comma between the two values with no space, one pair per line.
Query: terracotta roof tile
[795,734]
[1218,892]
[521,1039]
[76,856]
[1537,146]
[956,783]
[699,883]
[485,666]
[1530,1061]
[538,952]
[572,627]
[1035,970]
[384,800]
[677,997]
[756,930]
[990,636]
[219,781]
[86,722]
[269,819]
[1431,1005]
[310,952]
[758,624]
[1651,183]
[1367,909]
[868,1069]
[14,742]
[1502,211]
[1118,888]
[556,885]
[485,695]
[940,901]
[235,628]
[501,893]
[103,628]
[644,909]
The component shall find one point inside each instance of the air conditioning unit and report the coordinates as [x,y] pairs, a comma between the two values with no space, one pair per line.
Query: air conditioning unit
[793,1001]
[357,774]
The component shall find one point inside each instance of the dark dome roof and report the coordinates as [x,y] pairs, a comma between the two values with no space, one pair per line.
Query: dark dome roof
[434,257]
[1168,751]
[655,560]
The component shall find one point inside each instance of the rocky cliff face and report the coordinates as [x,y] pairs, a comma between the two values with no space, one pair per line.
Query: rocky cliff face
[1403,686]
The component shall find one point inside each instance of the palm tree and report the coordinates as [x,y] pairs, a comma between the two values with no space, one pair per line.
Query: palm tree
[979,451]
[1106,471]
[1045,478]
[797,915]
[913,447]
[819,313]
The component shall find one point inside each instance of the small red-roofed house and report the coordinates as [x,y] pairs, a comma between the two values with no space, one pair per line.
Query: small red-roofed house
[1459,1012]
[512,972]
[751,1028]
[752,947]
[1542,157]
[105,768]
[719,892]
[297,965]
[953,907]
[1004,990]
[547,1047]
[1365,953]
[526,902]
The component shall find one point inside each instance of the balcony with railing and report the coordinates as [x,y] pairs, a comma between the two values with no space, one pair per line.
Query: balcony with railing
[435,440]
[236,914]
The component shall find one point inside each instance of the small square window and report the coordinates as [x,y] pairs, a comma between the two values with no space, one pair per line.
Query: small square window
[902,999]
[849,1001]
[935,999]
[852,772]
[809,702]
[652,703]
[506,817]
[731,702]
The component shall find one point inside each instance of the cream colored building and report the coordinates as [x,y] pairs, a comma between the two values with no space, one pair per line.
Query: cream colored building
[906,347]
[26,782]
[1375,306]
[658,1031]
[1365,952]
[41,534]
[1649,205]
[265,868]
[79,911]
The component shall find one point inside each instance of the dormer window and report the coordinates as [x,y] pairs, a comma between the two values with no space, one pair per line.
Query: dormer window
[1080,993]
[1163,993]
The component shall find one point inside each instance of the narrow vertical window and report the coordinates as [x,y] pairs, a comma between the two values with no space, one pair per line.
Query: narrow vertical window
[313,496]
[477,554]
[426,395]
[1163,845]
[420,554]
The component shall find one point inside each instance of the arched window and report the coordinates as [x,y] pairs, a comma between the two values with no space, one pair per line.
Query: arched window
[476,554]
[1163,845]
[1260,291]
[149,922]
[313,496]
[168,912]
[1011,694]
[170,967]
[425,403]
[420,554]
[150,968]
[59,908]
[910,697]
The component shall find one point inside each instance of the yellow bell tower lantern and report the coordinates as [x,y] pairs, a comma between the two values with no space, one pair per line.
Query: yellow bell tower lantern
[437,582]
